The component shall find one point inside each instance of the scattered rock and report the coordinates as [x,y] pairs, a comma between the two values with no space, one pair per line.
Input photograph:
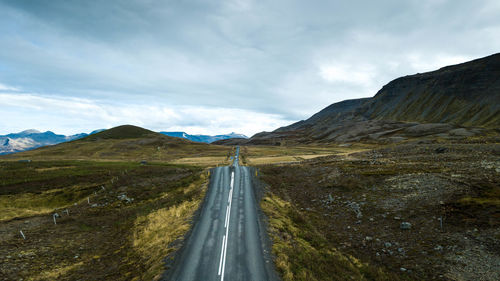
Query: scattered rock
[438,248]
[403,269]
[387,244]
[405,225]
[123,197]
[356,208]
[441,150]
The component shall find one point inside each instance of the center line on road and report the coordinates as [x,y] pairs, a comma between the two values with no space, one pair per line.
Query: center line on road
[221,251]
[227,215]
[222,262]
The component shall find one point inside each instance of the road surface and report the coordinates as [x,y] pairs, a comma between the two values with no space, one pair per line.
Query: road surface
[228,241]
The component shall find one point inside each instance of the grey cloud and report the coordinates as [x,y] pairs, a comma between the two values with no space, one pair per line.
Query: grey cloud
[261,56]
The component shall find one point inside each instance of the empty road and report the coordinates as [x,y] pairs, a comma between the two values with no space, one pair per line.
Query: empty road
[227,242]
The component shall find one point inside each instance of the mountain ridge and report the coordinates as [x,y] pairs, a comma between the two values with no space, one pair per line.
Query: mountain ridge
[31,138]
[454,101]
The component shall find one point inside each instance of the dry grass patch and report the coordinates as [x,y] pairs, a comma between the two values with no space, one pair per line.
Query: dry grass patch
[135,211]
[282,159]
[155,232]
[209,161]
[31,204]
[262,155]
[56,273]
[302,253]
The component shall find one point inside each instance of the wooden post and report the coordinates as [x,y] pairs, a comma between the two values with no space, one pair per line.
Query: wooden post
[22,234]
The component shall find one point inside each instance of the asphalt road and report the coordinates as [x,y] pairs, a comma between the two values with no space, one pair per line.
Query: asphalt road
[228,241]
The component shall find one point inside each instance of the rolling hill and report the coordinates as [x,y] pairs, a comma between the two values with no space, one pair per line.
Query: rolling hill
[31,139]
[125,142]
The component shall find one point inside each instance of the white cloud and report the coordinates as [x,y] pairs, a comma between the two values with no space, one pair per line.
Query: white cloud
[362,75]
[4,87]
[424,63]
[264,61]
[75,115]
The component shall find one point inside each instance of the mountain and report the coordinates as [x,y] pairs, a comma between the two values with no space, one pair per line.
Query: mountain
[31,139]
[453,102]
[466,94]
[204,138]
[125,142]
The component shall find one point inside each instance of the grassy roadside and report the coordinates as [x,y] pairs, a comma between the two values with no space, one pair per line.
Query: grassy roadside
[302,253]
[155,232]
[121,218]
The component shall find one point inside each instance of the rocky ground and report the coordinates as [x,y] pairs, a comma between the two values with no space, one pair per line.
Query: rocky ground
[424,210]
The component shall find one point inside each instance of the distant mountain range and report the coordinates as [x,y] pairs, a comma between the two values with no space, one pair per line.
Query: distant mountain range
[31,139]
[456,101]
[204,138]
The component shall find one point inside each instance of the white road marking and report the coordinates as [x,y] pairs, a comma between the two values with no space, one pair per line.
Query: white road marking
[227,213]
[222,262]
[221,251]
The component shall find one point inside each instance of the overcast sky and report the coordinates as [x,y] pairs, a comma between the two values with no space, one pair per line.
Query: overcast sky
[213,66]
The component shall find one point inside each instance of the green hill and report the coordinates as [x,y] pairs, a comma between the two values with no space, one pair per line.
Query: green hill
[123,132]
[125,143]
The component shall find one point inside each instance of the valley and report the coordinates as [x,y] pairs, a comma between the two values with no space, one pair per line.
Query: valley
[401,186]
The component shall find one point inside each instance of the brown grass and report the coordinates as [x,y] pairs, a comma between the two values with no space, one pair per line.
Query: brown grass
[263,155]
[302,253]
[155,232]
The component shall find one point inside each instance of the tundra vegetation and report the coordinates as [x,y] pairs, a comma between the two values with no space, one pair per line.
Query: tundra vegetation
[419,210]
[115,220]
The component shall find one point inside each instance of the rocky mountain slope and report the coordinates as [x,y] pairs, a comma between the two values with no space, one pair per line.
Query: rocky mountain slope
[466,94]
[453,102]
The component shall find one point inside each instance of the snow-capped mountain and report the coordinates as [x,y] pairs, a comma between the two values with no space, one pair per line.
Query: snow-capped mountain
[31,139]
[203,138]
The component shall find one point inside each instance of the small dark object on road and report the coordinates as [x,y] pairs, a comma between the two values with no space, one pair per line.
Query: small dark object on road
[441,150]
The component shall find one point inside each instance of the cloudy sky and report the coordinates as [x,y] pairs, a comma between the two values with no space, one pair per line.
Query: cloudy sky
[210,67]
